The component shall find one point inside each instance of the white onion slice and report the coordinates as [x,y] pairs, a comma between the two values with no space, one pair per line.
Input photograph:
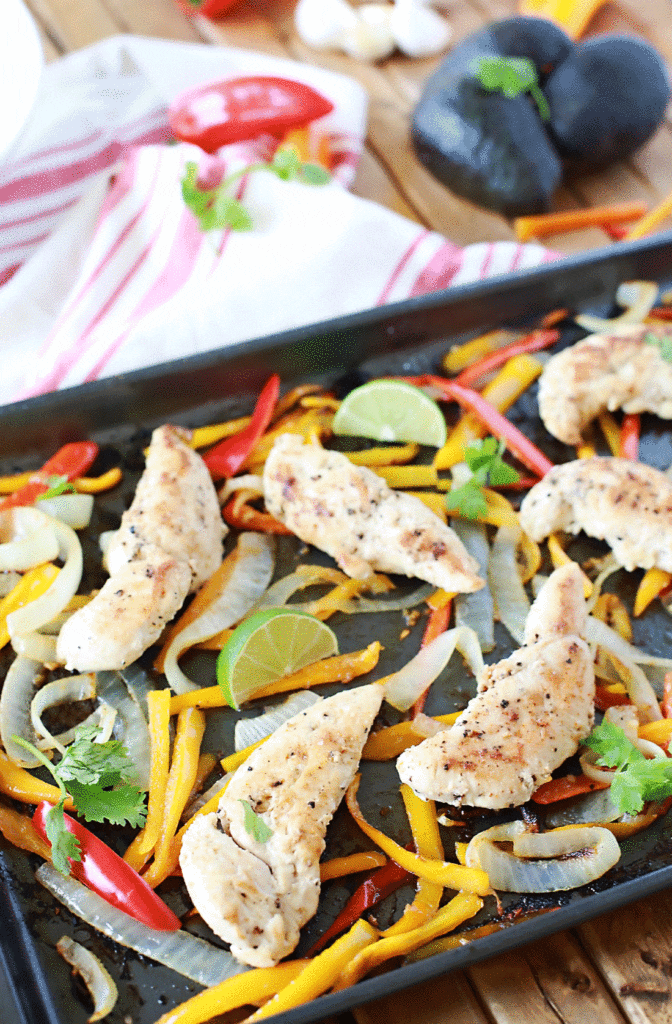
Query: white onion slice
[73,509]
[61,691]
[510,597]
[98,980]
[130,726]
[17,693]
[34,548]
[250,575]
[639,688]
[184,953]
[594,808]
[250,730]
[37,646]
[477,610]
[104,716]
[639,298]
[201,800]
[8,580]
[359,605]
[563,859]
[248,482]
[404,687]
[589,766]
[279,593]
[43,609]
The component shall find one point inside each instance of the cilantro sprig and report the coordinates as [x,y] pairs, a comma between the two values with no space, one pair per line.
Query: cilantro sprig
[218,208]
[254,825]
[484,459]
[513,76]
[664,345]
[637,778]
[58,485]
[96,776]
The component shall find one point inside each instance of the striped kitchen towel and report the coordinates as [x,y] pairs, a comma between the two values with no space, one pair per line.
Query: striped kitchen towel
[106,269]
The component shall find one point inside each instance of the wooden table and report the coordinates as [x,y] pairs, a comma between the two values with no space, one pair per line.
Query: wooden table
[618,967]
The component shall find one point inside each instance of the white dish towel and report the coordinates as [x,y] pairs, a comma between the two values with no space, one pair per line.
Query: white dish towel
[105,270]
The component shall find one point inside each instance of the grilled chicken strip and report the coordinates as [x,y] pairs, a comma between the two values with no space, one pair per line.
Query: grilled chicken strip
[350,512]
[530,712]
[627,504]
[258,893]
[625,370]
[169,542]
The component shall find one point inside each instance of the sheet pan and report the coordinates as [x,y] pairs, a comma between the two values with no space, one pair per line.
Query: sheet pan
[119,413]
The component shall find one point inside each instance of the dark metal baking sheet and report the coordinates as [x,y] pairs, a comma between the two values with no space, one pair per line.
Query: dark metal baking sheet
[119,412]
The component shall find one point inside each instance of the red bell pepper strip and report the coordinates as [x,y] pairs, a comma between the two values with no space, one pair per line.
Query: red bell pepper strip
[208,8]
[519,445]
[530,343]
[630,431]
[237,109]
[604,698]
[666,702]
[245,517]
[104,872]
[437,623]
[226,458]
[563,788]
[661,312]
[70,461]
[380,883]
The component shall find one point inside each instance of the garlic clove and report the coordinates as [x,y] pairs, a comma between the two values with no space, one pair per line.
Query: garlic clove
[322,23]
[418,30]
[372,38]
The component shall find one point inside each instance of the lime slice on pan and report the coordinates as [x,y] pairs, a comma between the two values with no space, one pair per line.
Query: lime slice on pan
[391,410]
[267,646]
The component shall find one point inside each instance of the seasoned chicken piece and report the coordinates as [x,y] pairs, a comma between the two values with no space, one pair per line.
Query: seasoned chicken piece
[169,542]
[625,503]
[530,713]
[127,615]
[175,507]
[625,370]
[350,512]
[257,893]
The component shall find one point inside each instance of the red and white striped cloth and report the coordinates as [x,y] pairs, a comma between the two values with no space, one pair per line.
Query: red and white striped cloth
[114,271]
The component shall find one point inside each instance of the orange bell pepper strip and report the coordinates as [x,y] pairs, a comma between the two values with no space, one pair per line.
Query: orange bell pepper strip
[573,16]
[532,342]
[437,623]
[451,876]
[565,787]
[338,867]
[251,987]
[32,585]
[652,584]
[18,829]
[544,224]
[658,732]
[651,220]
[629,440]
[158,705]
[243,516]
[386,744]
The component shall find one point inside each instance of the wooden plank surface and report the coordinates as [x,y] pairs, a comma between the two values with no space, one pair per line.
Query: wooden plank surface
[616,969]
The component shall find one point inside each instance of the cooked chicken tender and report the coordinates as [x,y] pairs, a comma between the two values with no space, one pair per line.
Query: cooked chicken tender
[625,503]
[624,370]
[169,542]
[257,893]
[350,512]
[530,713]
[175,508]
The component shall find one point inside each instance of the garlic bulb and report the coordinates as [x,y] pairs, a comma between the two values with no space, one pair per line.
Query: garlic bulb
[322,23]
[371,39]
[418,30]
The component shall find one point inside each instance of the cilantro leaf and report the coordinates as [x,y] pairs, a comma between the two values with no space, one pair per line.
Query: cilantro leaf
[120,806]
[512,76]
[58,485]
[664,345]
[313,174]
[467,500]
[89,763]
[64,845]
[484,459]
[254,825]
[637,779]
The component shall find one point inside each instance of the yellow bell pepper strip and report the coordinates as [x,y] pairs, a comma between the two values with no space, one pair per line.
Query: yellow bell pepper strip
[320,402]
[611,431]
[395,455]
[321,973]
[292,398]
[610,609]
[653,582]
[388,743]
[250,988]
[451,876]
[234,761]
[585,451]
[338,867]
[533,342]
[32,585]
[544,224]
[11,483]
[573,16]
[342,668]
[434,501]
[506,388]
[459,357]
[312,421]
[143,845]
[183,768]
[97,484]
[662,733]
[559,557]
[18,829]
[216,642]
[26,788]
[461,908]
[203,437]
[651,220]
[400,477]
[440,598]
[425,832]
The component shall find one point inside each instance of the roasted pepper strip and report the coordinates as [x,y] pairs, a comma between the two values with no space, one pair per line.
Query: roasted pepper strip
[459,357]
[18,829]
[158,705]
[392,456]
[658,732]
[183,768]
[239,514]
[338,867]
[573,16]
[451,876]
[70,461]
[32,585]
[630,432]
[229,455]
[425,831]
[533,342]
[203,437]
[251,987]
[233,761]
[461,908]
[28,789]
[97,484]
[666,702]
[611,431]
[652,583]
[387,744]
[563,788]
[321,973]
[605,697]
[651,220]
[544,224]
[400,477]
[559,557]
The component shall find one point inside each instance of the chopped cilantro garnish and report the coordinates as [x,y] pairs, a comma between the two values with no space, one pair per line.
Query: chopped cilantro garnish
[254,825]
[664,345]
[58,485]
[637,778]
[512,76]
[484,459]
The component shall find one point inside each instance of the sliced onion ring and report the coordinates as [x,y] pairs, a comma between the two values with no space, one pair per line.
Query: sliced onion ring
[404,687]
[511,601]
[43,609]
[639,688]
[33,539]
[73,509]
[61,691]
[565,858]
[98,980]
[639,298]
[15,697]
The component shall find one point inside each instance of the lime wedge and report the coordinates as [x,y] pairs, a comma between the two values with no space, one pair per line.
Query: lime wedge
[391,410]
[267,646]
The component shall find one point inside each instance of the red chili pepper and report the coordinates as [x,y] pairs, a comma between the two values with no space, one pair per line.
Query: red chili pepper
[661,312]
[105,873]
[226,458]
[208,8]
[380,883]
[70,461]
[630,431]
[604,698]
[530,343]
[519,445]
[562,789]
[237,109]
